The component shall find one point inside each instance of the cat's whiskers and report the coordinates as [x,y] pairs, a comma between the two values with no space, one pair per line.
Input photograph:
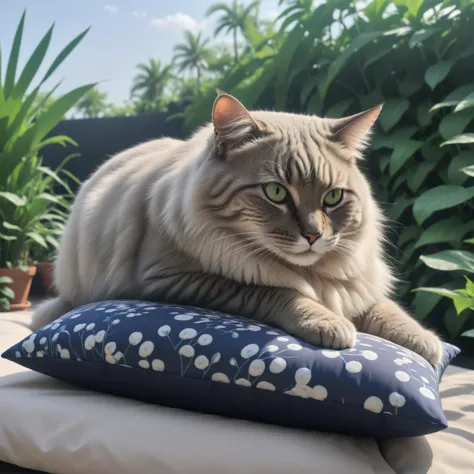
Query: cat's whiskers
[351,233]
[245,258]
[229,236]
[242,259]
[260,251]
[239,245]
[383,238]
[271,255]
[345,247]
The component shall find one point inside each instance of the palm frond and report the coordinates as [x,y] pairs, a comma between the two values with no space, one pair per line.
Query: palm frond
[218,7]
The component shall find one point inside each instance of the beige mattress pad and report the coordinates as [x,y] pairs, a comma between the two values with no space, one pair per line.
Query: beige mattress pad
[53,427]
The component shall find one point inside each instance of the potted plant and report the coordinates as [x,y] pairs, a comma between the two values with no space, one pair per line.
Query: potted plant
[53,223]
[25,185]
[33,215]
[44,261]
[46,273]
[15,287]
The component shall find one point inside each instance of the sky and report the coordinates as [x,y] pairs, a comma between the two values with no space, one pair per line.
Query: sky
[123,33]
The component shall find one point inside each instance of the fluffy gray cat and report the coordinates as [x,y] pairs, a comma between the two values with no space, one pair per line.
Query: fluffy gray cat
[260,214]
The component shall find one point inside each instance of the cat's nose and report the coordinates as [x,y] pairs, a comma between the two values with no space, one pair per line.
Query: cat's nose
[311,238]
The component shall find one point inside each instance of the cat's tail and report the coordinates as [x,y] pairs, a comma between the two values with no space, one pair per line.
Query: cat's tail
[48,311]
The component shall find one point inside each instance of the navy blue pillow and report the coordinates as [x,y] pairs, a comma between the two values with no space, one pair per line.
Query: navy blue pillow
[215,363]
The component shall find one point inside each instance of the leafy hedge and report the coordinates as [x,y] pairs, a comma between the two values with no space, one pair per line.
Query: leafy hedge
[417,57]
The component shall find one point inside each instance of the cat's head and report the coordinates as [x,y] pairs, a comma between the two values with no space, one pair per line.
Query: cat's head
[287,184]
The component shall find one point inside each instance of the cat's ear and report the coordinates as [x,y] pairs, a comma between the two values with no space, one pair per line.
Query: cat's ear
[233,124]
[354,131]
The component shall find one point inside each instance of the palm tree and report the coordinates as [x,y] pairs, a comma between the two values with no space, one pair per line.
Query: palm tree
[220,59]
[297,6]
[120,110]
[92,104]
[234,19]
[150,83]
[191,55]
[184,89]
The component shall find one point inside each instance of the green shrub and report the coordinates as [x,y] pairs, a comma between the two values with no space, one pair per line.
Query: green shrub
[417,57]
[456,262]
[31,212]
[453,261]
[25,123]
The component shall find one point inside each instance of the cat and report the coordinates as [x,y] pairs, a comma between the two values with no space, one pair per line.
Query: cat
[260,214]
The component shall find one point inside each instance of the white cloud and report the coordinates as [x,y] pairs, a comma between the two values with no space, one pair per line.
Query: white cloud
[180,20]
[139,13]
[111,8]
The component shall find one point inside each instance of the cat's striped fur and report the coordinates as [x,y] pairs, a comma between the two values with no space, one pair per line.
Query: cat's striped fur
[189,222]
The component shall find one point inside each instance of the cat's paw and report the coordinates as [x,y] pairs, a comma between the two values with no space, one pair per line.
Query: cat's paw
[331,333]
[427,345]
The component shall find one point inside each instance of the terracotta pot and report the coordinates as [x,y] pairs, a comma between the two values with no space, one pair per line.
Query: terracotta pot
[21,286]
[46,270]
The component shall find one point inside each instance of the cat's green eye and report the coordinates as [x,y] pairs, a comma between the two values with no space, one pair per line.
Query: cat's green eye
[333,197]
[275,192]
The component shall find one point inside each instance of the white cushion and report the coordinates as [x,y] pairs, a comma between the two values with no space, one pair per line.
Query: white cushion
[50,426]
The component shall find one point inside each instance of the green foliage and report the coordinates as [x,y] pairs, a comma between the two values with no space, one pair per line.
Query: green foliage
[439,198]
[125,110]
[219,59]
[149,85]
[236,19]
[92,104]
[32,213]
[191,56]
[463,139]
[451,230]
[450,260]
[337,58]
[462,298]
[43,101]
[6,293]
[160,87]
[23,125]
[150,92]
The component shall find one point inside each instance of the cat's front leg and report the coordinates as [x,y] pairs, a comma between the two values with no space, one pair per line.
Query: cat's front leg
[285,308]
[388,320]
[314,323]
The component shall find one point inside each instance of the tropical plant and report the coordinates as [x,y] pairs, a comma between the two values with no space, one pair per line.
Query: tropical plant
[219,59]
[125,109]
[454,261]
[43,101]
[150,83]
[191,56]
[38,217]
[35,218]
[26,119]
[184,89]
[235,19]
[336,58]
[24,125]
[57,184]
[92,104]
[458,287]
[295,9]
[6,293]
